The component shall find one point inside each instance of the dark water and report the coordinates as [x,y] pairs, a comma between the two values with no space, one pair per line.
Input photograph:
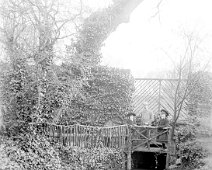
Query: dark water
[147,161]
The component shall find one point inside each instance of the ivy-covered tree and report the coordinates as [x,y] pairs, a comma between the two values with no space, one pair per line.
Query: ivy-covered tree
[102,81]
[36,90]
[30,31]
[97,28]
[19,98]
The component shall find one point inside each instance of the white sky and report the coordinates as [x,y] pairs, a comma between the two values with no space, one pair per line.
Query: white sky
[142,44]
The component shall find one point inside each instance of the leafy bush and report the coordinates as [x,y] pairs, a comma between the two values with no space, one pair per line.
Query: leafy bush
[186,133]
[192,154]
[99,158]
[37,153]
[32,153]
[17,98]
[205,167]
[190,151]
[108,93]
[5,162]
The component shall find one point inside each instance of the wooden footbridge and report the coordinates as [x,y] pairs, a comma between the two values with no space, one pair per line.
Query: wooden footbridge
[127,138]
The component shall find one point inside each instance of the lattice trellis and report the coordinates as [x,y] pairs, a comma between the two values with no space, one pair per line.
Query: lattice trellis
[158,93]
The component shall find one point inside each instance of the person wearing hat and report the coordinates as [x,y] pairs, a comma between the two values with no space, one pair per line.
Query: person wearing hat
[131,118]
[163,122]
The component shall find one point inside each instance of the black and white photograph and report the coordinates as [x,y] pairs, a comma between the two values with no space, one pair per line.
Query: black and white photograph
[105,85]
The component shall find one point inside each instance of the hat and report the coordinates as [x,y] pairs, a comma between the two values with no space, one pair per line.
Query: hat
[131,114]
[165,111]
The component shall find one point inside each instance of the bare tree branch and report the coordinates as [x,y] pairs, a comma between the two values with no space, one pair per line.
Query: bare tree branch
[185,70]
[157,13]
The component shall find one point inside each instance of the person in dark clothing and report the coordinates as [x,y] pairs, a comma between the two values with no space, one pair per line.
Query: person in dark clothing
[162,124]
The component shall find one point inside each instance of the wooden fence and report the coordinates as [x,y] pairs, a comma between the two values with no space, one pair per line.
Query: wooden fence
[92,136]
[158,93]
[86,136]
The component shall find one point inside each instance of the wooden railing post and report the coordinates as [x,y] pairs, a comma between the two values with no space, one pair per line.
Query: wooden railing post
[123,159]
[129,150]
[149,140]
[168,149]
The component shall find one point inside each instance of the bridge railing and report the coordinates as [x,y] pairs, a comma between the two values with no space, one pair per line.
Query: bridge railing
[146,136]
[112,137]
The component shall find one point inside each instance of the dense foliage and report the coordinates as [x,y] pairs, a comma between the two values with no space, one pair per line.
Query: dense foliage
[36,152]
[18,98]
[107,94]
[200,98]
[193,155]
[86,48]
[32,152]
[68,100]
[35,90]
[99,158]
[189,149]
[5,161]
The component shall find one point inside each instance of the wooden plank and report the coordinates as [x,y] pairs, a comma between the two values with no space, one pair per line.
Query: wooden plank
[119,139]
[77,135]
[85,136]
[169,147]
[151,149]
[69,136]
[74,136]
[61,134]
[159,79]
[80,135]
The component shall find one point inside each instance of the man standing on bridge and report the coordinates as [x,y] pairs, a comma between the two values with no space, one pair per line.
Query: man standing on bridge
[146,115]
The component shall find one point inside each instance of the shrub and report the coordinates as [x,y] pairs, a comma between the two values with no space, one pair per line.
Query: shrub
[191,151]
[99,158]
[33,152]
[107,93]
[5,162]
[192,155]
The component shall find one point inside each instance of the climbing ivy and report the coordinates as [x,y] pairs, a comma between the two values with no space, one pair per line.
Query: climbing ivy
[106,94]
[79,90]
[101,158]
[86,47]
[18,98]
